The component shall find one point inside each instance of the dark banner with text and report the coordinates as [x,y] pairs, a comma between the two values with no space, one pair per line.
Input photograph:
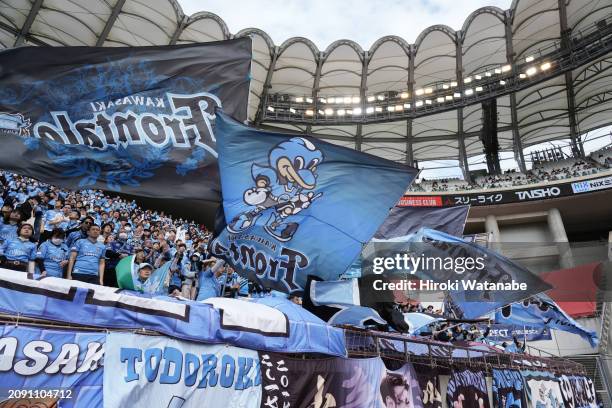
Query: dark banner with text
[520,195]
[136,120]
[467,389]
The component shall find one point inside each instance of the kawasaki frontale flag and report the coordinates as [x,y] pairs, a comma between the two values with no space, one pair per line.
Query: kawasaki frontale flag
[295,205]
[477,279]
[136,120]
[541,311]
[408,220]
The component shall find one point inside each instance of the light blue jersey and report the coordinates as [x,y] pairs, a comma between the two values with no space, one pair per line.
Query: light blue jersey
[52,255]
[17,249]
[209,285]
[49,216]
[88,256]
[8,232]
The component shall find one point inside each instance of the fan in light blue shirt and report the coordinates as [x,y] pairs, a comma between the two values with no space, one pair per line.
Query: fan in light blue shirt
[52,255]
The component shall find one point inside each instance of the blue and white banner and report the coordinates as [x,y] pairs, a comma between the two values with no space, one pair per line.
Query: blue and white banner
[543,389]
[508,389]
[506,332]
[335,293]
[39,366]
[296,206]
[542,312]
[158,372]
[138,120]
[357,316]
[276,326]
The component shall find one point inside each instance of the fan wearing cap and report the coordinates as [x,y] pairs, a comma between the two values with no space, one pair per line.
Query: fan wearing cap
[142,283]
[208,280]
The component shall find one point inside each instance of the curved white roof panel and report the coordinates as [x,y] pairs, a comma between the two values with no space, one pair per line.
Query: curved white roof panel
[439,59]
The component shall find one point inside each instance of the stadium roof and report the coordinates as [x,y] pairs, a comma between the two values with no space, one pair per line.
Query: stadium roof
[489,39]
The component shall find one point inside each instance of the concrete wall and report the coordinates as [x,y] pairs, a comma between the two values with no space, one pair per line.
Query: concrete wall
[529,232]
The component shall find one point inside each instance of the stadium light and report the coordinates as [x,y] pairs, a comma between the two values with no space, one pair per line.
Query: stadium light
[340,100]
[488,74]
[506,68]
[531,71]
[299,99]
[404,95]
[453,84]
[467,80]
[378,109]
[428,102]
[418,104]
[390,108]
[399,108]
[479,89]
[545,66]
[456,95]
[355,99]
[331,100]
[522,76]
[292,110]
[329,111]
[469,91]
[371,98]
[322,100]
[406,106]
[478,77]
[502,82]
[321,112]
[497,70]
[419,92]
[428,90]
[309,112]
[369,110]
[348,99]
[270,108]
[356,111]
[440,99]
[529,58]
[445,86]
[340,112]
[380,97]
[449,97]
[309,100]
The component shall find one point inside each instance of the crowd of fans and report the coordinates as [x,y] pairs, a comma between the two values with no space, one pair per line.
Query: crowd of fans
[83,235]
[542,172]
